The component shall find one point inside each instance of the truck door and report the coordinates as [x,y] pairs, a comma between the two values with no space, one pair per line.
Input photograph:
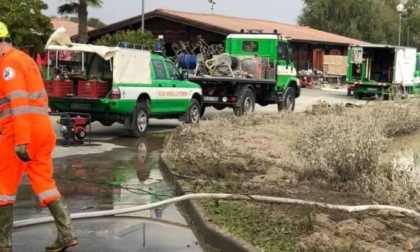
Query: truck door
[161,102]
[285,68]
[172,95]
[405,66]
[179,88]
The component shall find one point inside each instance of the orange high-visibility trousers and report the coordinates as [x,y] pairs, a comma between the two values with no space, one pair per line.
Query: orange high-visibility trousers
[39,169]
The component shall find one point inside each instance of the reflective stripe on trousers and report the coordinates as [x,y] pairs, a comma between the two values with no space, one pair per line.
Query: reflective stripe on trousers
[47,194]
[8,198]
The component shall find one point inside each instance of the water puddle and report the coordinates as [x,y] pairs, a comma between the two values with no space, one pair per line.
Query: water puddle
[120,174]
[404,153]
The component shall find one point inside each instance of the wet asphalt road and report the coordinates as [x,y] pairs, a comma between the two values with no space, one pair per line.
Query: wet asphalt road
[115,171]
[106,175]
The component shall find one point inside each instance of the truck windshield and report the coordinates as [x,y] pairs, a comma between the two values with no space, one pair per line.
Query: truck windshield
[282,55]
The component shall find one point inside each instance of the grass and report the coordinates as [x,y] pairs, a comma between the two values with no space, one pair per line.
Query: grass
[253,224]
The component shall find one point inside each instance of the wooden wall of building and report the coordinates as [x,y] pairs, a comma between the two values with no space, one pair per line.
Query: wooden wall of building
[305,55]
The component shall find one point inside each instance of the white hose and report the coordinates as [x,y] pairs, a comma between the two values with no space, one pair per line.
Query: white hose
[223,196]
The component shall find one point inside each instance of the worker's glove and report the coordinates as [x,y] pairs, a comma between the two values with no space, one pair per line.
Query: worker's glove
[22,153]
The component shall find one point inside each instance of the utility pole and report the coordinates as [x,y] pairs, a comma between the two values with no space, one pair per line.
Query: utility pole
[142,16]
[408,35]
[400,9]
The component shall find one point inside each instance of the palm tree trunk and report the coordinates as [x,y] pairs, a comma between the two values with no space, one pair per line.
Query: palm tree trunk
[83,14]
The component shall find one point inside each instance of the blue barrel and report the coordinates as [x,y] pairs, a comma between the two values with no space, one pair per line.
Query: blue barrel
[187,61]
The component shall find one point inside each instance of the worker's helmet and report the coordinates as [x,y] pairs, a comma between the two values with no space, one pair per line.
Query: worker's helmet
[4,32]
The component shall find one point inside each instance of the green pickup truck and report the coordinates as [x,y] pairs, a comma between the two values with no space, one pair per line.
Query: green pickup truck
[115,84]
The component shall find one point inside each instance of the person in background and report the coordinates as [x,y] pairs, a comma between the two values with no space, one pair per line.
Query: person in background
[27,140]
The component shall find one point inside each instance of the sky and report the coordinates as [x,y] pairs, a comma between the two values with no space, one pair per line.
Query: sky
[282,11]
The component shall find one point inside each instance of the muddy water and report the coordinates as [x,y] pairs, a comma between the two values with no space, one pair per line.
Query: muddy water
[126,174]
[404,152]
[404,145]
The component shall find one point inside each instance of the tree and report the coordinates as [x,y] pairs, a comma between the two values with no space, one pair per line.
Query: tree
[374,21]
[91,22]
[359,19]
[80,7]
[27,25]
[145,40]
[95,23]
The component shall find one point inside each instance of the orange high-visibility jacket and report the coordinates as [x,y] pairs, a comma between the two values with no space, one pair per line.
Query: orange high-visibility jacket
[23,100]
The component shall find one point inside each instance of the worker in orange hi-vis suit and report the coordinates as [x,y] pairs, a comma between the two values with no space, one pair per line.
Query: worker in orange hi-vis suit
[27,140]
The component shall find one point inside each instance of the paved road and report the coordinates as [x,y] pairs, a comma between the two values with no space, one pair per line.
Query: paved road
[304,102]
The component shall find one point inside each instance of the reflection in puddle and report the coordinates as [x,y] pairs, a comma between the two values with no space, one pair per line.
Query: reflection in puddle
[126,176]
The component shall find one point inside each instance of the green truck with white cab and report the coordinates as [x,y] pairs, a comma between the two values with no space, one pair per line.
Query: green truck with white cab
[381,71]
[118,85]
[255,68]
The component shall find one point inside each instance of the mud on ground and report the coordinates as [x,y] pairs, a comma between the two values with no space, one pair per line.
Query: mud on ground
[326,155]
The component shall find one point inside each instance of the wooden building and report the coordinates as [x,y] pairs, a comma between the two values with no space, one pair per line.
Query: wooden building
[309,45]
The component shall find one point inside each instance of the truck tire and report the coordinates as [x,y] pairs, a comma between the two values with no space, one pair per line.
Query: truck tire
[194,112]
[140,120]
[288,102]
[247,103]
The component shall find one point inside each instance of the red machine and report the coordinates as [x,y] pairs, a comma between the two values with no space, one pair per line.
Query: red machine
[74,127]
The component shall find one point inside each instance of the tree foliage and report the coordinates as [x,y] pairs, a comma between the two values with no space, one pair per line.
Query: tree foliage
[146,40]
[91,22]
[375,21]
[80,7]
[27,25]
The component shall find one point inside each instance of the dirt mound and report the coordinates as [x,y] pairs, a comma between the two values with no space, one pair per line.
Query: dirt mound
[327,155]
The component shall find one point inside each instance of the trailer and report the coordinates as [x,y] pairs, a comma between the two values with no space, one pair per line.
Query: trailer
[381,71]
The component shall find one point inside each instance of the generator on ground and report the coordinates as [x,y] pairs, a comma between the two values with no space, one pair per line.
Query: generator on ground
[74,127]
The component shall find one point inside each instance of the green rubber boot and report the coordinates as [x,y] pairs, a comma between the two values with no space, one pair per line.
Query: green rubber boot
[6,226]
[66,237]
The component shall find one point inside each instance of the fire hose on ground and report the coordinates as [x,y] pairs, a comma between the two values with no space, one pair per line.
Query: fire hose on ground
[219,196]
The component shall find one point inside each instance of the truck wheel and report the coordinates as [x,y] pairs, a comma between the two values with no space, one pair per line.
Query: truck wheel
[140,120]
[288,102]
[247,103]
[194,112]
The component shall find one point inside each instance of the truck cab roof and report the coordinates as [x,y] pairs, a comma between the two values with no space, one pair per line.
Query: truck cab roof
[255,36]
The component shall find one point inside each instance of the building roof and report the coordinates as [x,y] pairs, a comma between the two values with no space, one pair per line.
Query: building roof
[71,27]
[226,24]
